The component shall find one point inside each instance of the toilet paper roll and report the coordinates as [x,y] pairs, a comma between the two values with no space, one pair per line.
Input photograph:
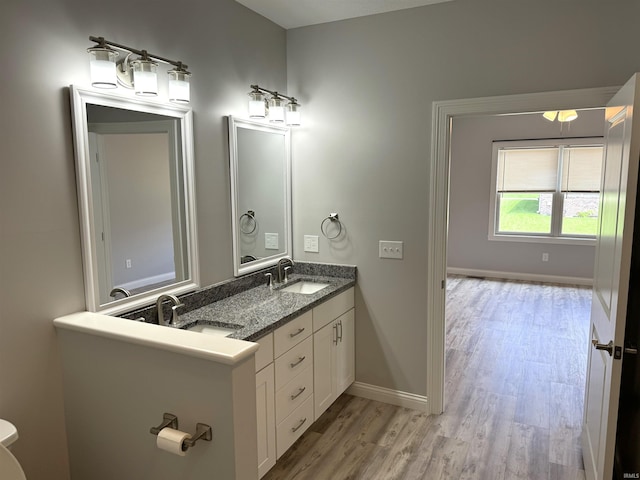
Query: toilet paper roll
[170,440]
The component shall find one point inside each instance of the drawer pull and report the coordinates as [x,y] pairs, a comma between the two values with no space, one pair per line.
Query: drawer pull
[295,334]
[296,395]
[295,364]
[297,427]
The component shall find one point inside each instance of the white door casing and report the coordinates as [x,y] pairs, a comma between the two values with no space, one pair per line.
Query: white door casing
[442,114]
[611,280]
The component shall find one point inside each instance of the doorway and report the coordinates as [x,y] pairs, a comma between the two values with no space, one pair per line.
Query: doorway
[443,114]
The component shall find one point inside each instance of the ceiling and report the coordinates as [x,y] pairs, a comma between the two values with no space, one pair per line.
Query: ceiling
[300,13]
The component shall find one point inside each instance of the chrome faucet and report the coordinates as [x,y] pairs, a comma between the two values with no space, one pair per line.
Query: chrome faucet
[283,274]
[121,290]
[174,309]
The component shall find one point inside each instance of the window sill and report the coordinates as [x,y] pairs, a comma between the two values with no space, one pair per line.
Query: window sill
[540,239]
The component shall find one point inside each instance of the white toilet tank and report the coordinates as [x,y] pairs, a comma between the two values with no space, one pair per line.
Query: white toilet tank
[9,467]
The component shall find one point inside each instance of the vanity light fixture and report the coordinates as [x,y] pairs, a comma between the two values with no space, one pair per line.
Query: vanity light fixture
[274,107]
[139,74]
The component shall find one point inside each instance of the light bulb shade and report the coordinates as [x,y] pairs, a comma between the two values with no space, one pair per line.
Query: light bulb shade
[145,78]
[102,65]
[567,115]
[551,116]
[179,90]
[276,110]
[293,114]
[256,105]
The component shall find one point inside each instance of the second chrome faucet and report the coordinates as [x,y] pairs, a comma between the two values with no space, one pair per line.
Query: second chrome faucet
[174,309]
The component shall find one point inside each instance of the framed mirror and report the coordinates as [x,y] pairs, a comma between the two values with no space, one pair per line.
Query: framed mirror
[260,167]
[134,169]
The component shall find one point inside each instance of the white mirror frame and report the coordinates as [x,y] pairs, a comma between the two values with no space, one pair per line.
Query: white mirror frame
[234,123]
[80,98]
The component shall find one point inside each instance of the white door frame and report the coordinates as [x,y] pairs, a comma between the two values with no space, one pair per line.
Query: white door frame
[442,114]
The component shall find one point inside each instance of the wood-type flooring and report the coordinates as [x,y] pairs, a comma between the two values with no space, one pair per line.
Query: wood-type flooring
[515,372]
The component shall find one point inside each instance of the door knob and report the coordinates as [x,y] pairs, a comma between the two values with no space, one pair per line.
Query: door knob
[608,347]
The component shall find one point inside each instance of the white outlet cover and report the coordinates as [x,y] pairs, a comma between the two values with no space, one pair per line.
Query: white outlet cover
[271,241]
[311,243]
[391,249]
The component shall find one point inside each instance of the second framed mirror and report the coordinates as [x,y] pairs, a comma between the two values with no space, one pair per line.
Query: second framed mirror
[260,167]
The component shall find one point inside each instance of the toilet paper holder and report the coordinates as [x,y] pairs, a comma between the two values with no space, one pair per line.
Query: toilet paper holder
[169,420]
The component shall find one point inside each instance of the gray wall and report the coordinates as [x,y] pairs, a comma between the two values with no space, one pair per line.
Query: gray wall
[367,87]
[43,46]
[470,194]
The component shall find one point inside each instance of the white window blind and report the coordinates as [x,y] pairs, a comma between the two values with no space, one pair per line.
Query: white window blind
[581,169]
[528,170]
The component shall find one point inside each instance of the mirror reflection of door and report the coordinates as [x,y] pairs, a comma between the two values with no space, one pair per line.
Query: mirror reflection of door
[132,195]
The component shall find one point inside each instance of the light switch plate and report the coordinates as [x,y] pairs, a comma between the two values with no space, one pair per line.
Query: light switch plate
[389,249]
[311,243]
[271,241]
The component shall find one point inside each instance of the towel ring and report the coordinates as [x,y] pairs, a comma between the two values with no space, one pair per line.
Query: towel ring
[251,216]
[333,217]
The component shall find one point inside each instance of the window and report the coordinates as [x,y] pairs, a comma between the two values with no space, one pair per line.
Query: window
[545,190]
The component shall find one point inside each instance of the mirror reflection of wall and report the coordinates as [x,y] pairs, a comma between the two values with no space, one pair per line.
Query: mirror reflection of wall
[135,185]
[261,181]
[261,193]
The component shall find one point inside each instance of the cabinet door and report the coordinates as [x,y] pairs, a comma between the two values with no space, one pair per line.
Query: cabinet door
[265,397]
[324,368]
[345,352]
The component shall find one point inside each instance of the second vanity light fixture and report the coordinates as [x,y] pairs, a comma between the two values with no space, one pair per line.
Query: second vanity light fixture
[274,107]
[139,73]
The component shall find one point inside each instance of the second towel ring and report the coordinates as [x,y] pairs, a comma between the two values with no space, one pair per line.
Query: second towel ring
[333,217]
[251,216]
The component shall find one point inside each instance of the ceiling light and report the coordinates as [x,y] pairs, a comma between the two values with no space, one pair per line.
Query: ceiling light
[567,115]
[562,115]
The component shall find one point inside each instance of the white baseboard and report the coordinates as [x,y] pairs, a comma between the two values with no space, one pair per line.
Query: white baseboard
[533,277]
[143,282]
[387,395]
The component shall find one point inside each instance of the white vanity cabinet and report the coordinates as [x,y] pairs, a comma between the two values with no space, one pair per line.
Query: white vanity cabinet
[333,350]
[284,388]
[293,350]
[265,405]
[301,368]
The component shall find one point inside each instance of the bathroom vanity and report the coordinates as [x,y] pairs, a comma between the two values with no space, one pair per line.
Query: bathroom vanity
[258,366]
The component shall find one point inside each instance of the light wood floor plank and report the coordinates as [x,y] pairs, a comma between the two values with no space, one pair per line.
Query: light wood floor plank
[515,373]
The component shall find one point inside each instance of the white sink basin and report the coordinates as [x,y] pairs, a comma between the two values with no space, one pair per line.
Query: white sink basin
[212,330]
[305,288]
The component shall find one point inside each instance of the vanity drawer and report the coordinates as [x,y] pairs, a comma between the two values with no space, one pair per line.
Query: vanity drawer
[264,355]
[294,393]
[293,362]
[292,333]
[294,426]
[328,311]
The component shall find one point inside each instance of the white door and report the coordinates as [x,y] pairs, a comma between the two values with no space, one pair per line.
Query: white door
[611,281]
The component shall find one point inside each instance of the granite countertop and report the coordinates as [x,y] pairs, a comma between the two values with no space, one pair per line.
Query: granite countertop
[260,310]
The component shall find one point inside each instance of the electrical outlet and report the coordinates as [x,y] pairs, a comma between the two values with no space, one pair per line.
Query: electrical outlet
[545,257]
[128,263]
[311,243]
[387,249]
